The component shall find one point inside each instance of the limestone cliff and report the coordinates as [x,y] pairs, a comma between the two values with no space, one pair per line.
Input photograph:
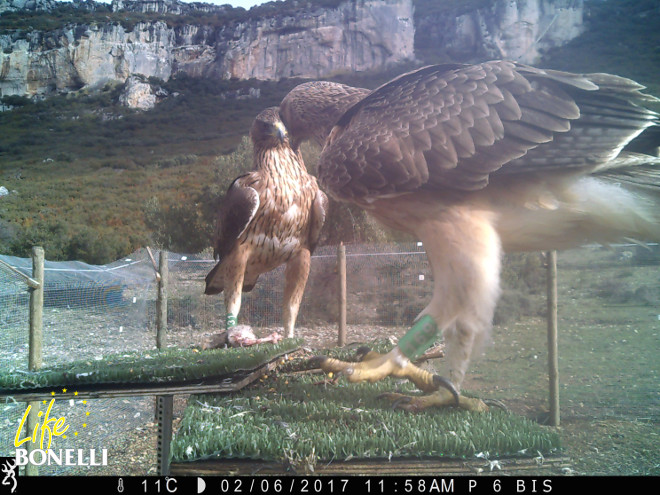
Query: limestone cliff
[503,29]
[68,59]
[356,35]
[26,5]
[306,40]
[163,6]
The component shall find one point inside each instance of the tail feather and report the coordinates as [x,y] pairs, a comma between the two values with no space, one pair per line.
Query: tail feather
[250,282]
[635,208]
[634,171]
[215,281]
[620,201]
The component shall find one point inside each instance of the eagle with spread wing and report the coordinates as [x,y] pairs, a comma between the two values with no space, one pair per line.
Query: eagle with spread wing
[269,217]
[475,160]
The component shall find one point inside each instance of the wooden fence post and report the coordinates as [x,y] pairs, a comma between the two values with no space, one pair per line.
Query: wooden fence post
[341,263]
[553,357]
[35,342]
[164,403]
[161,301]
[36,309]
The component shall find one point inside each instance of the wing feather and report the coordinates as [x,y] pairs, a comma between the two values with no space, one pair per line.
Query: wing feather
[453,126]
[317,219]
[238,209]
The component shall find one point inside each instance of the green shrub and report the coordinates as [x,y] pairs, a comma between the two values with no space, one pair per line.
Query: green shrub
[177,161]
[66,240]
[16,101]
[177,227]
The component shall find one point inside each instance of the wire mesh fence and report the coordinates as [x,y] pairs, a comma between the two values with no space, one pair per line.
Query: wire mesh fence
[89,311]
[376,276]
[13,315]
[93,311]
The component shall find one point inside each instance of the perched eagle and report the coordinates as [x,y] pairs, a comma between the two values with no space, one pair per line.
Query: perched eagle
[313,118]
[269,217]
[478,159]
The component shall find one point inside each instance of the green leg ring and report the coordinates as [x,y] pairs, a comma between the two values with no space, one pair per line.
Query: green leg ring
[419,338]
[230,321]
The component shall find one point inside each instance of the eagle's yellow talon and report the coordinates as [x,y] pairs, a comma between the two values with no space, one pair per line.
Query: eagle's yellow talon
[440,398]
[377,367]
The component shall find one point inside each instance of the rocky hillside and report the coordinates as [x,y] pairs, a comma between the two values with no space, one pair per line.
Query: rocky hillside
[27,5]
[480,30]
[62,47]
[309,42]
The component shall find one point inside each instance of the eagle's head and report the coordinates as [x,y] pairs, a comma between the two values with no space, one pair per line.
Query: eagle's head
[268,130]
[311,109]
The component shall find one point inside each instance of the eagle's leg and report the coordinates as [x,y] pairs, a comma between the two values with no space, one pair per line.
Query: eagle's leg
[464,251]
[234,274]
[375,367]
[396,363]
[465,258]
[295,279]
[459,343]
[422,379]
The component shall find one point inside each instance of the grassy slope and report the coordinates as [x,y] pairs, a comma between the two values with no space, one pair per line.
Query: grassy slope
[82,161]
[84,168]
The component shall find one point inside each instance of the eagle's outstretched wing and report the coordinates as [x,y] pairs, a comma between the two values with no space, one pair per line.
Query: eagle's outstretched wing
[475,158]
[454,126]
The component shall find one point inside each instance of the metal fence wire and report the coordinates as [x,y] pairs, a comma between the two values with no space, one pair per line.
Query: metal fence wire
[92,311]
[376,276]
[89,311]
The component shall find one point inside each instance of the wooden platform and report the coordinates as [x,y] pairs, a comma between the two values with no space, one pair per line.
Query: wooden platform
[373,467]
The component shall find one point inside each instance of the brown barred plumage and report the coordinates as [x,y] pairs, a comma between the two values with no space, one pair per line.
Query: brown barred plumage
[270,216]
[476,159]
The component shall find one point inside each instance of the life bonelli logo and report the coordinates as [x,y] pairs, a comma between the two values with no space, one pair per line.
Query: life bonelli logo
[49,427]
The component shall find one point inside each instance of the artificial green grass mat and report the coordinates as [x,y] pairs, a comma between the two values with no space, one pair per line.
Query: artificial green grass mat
[149,367]
[295,420]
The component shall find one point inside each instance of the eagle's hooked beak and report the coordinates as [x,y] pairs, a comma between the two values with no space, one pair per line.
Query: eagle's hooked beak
[280,131]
